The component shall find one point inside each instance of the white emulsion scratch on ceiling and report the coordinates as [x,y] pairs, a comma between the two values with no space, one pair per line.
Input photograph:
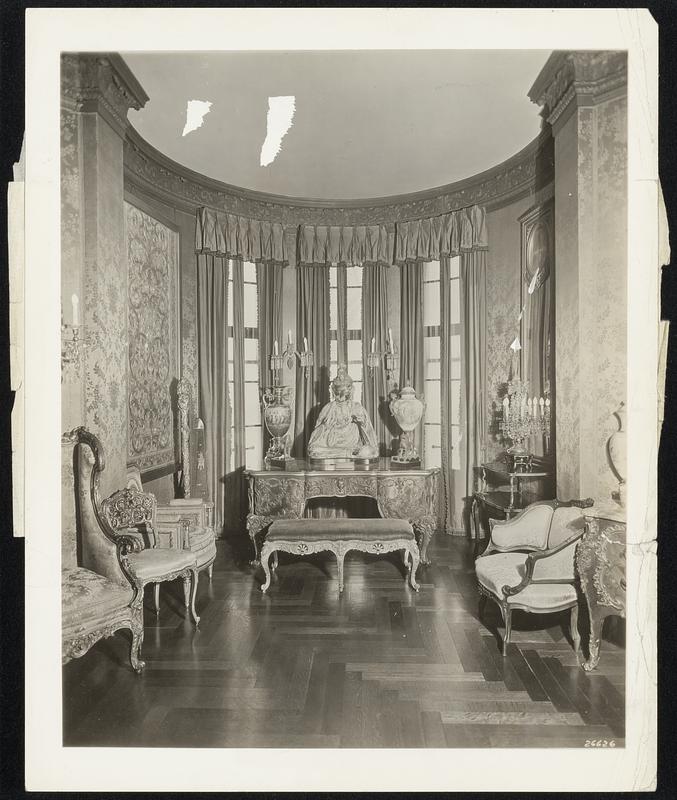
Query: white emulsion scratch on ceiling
[195,114]
[280,116]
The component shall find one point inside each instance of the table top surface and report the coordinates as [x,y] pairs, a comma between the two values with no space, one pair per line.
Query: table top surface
[302,467]
[500,500]
[498,468]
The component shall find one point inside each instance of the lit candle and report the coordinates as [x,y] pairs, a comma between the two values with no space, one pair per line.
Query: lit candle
[76,312]
[275,351]
[373,345]
[289,336]
[305,345]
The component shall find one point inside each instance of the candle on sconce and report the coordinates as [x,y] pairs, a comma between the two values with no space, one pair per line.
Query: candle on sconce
[289,336]
[275,350]
[76,310]
[305,344]
[373,345]
[390,339]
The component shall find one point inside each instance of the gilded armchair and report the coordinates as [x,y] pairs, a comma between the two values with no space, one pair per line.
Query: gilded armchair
[529,563]
[183,524]
[96,591]
[131,513]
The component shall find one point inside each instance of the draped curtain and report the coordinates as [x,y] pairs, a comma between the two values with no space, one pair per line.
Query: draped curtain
[312,321]
[447,410]
[236,495]
[375,325]
[473,327]
[411,333]
[212,283]
[269,292]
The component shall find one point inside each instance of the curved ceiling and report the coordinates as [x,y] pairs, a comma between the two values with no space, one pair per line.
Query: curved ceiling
[366,123]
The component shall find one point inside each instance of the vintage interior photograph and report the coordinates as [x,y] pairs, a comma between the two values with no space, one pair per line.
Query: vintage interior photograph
[343,381]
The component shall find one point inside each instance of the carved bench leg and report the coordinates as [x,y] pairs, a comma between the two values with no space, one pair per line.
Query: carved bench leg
[340,555]
[573,625]
[186,591]
[415,560]
[265,558]
[137,643]
[193,593]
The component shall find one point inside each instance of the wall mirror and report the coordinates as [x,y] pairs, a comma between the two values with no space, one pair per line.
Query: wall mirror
[537,328]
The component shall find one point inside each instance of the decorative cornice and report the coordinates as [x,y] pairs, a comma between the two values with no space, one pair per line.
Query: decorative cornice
[101,83]
[586,76]
[154,175]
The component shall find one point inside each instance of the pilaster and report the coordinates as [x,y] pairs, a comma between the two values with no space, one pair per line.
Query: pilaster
[583,98]
[97,90]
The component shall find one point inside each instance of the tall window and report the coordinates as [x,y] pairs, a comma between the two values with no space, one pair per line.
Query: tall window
[250,414]
[432,431]
[345,322]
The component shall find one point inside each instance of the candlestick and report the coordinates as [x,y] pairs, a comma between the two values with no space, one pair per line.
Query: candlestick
[390,339]
[76,314]
[275,350]
[305,344]
[373,345]
[289,336]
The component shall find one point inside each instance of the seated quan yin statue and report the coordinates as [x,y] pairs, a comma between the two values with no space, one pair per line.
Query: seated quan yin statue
[343,428]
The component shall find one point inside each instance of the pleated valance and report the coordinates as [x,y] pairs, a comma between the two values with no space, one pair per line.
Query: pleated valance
[445,235]
[345,244]
[425,239]
[233,236]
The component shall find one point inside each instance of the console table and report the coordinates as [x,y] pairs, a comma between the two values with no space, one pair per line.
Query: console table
[600,561]
[282,493]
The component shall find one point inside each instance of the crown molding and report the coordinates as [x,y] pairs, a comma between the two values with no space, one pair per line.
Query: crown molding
[101,83]
[578,78]
[151,172]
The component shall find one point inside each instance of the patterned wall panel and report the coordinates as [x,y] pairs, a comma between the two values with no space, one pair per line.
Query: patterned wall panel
[152,251]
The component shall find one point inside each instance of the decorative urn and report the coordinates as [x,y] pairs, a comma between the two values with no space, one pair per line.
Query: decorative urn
[617,451]
[407,409]
[277,416]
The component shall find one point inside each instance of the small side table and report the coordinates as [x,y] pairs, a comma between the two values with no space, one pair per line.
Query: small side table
[600,561]
[499,494]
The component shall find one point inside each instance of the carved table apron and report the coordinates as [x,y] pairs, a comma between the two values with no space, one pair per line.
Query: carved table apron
[400,494]
[600,562]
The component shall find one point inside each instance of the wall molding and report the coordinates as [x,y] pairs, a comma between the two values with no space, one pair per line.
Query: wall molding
[153,174]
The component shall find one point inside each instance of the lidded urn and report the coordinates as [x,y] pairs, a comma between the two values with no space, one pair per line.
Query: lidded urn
[408,410]
[277,416]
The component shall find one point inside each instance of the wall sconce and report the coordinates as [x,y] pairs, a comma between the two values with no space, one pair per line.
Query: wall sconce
[390,356]
[71,346]
[289,354]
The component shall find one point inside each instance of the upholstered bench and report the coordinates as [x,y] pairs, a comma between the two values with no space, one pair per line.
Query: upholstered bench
[305,536]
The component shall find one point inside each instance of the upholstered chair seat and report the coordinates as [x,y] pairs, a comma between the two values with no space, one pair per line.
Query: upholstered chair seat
[150,565]
[86,596]
[529,563]
[97,592]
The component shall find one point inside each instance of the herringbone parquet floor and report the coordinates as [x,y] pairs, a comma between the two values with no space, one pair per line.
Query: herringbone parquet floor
[380,666]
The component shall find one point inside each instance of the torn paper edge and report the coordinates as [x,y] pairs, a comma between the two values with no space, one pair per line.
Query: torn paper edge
[280,118]
[196,110]
[15,251]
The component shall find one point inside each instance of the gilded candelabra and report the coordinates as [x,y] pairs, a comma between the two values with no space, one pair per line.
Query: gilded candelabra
[523,417]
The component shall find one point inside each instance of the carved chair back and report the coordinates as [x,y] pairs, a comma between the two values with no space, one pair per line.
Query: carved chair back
[130,508]
[97,550]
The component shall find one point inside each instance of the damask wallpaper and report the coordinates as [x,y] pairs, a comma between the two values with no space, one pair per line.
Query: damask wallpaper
[152,253]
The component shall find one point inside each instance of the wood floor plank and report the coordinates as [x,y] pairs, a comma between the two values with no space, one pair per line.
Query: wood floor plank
[376,666]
